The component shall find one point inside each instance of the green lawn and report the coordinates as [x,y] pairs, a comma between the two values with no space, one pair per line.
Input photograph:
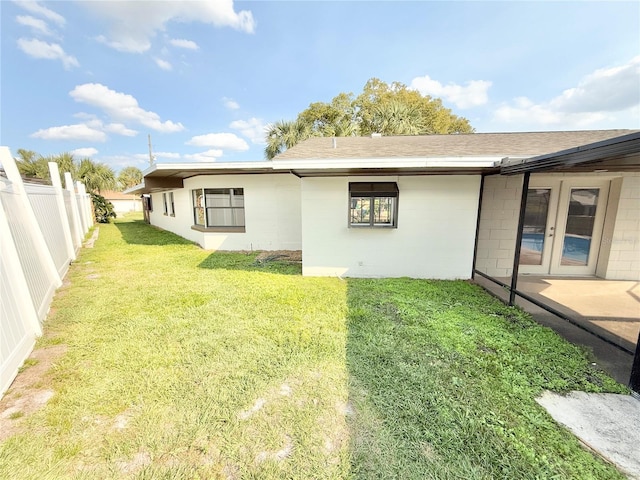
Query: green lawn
[185,364]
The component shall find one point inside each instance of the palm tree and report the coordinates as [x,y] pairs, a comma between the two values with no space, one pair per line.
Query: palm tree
[283,135]
[129,177]
[398,118]
[96,176]
[343,128]
[32,165]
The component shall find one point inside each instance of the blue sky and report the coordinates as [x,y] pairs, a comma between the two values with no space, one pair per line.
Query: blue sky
[205,78]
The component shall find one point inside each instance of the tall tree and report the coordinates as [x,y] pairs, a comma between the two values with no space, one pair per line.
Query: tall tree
[390,109]
[283,135]
[129,177]
[96,176]
[31,165]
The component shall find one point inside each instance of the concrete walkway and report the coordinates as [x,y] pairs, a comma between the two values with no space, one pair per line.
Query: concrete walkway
[607,423]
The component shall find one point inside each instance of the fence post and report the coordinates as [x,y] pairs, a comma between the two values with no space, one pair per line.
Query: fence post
[31,223]
[85,205]
[82,207]
[77,226]
[57,184]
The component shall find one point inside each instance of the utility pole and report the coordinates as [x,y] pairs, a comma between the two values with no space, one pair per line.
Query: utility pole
[150,151]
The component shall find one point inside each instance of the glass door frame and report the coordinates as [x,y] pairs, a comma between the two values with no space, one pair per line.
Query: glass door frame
[553,185]
[556,267]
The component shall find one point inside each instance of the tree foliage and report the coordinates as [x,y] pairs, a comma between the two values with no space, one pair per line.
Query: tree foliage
[389,109]
[129,177]
[95,176]
[102,208]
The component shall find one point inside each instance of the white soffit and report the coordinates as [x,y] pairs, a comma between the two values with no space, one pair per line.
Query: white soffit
[425,162]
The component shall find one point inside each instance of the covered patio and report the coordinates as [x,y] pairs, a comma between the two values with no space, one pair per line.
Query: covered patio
[603,315]
[592,298]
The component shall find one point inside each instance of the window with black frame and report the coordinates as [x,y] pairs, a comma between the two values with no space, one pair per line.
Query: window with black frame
[172,206]
[373,204]
[219,208]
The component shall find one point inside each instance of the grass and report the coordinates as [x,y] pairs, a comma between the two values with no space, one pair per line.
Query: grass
[185,364]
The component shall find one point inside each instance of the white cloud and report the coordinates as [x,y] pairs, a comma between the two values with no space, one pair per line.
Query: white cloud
[156,155]
[50,51]
[120,129]
[133,24]
[172,155]
[37,25]
[254,129]
[182,43]
[121,161]
[605,90]
[226,141]
[606,97]
[79,131]
[473,94]
[208,156]
[37,9]
[84,152]
[163,64]
[126,44]
[121,106]
[230,103]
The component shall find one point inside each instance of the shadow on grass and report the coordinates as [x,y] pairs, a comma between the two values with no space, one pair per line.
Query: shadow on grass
[251,262]
[442,378]
[137,232]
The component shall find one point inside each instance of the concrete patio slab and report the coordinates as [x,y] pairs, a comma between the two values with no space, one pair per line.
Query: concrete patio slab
[607,423]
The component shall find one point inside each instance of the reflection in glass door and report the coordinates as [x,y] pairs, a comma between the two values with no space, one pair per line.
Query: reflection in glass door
[578,233]
[535,226]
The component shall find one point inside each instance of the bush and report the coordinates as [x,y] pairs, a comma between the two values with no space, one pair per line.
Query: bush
[102,208]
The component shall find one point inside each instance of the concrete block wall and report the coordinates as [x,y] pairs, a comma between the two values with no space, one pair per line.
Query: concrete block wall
[498,224]
[624,254]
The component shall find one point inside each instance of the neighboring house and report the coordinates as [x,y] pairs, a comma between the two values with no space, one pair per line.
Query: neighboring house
[123,202]
[420,206]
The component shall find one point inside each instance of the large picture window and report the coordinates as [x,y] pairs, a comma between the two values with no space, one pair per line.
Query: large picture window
[221,208]
[373,204]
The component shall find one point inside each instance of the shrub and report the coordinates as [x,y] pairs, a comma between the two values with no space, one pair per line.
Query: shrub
[102,208]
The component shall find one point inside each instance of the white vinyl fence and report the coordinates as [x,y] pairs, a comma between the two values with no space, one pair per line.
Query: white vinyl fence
[41,232]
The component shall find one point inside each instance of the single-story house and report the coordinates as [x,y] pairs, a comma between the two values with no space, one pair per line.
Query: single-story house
[434,206]
[123,202]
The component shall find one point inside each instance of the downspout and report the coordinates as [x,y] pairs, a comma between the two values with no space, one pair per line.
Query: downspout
[475,245]
[516,255]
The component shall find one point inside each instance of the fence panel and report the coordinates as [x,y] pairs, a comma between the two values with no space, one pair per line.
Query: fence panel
[45,207]
[17,339]
[37,243]
[38,280]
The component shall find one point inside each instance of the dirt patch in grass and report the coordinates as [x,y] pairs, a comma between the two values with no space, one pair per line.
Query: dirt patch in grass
[280,256]
[27,395]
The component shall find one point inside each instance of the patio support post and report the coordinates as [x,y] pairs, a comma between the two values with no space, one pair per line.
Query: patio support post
[634,382]
[516,255]
[475,246]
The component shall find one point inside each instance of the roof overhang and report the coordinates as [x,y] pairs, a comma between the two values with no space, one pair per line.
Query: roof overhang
[171,176]
[617,154]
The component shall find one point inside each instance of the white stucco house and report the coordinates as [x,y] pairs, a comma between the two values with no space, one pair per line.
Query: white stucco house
[122,202]
[436,206]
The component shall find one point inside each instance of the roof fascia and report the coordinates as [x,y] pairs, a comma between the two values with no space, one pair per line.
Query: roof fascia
[584,154]
[301,165]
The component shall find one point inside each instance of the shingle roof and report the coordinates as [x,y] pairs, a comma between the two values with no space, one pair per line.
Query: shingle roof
[461,145]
